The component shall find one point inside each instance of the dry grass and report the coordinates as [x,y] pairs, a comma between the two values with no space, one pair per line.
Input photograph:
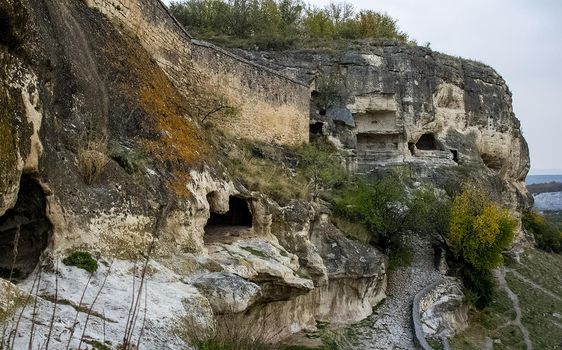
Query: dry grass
[354,230]
[262,168]
[92,159]
[228,334]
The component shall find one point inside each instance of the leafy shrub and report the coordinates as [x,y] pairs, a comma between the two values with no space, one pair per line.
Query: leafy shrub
[321,164]
[479,287]
[479,230]
[282,22]
[429,212]
[387,210]
[82,260]
[546,233]
[379,205]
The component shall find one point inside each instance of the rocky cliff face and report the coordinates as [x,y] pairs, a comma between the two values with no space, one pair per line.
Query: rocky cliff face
[101,152]
[104,149]
[389,104]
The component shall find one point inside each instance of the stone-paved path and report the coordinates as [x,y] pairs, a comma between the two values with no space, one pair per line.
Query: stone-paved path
[390,326]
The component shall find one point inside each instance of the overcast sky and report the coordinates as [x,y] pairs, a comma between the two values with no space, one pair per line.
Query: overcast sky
[521,39]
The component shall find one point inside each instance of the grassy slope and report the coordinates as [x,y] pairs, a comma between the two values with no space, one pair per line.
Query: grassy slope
[541,313]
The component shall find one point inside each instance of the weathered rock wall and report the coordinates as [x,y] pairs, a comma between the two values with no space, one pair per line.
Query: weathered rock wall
[157,30]
[274,108]
[410,105]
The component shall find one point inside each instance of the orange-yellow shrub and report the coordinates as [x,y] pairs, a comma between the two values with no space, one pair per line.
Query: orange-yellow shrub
[479,229]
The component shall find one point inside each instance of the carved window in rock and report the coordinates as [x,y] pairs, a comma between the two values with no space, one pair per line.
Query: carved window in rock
[238,214]
[428,142]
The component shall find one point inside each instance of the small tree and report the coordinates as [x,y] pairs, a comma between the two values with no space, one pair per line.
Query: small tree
[379,205]
[479,230]
[429,212]
[321,164]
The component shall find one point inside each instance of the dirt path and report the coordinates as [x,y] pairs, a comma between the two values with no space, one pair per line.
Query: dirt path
[533,284]
[390,326]
[500,276]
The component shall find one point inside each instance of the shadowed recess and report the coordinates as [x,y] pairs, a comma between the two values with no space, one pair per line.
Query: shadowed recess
[25,231]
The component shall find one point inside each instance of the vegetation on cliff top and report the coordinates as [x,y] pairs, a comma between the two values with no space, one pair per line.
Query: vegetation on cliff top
[547,234]
[279,24]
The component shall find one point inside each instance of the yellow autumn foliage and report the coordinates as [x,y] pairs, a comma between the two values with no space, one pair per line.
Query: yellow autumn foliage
[479,229]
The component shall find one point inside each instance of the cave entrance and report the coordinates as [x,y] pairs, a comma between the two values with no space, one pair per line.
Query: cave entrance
[428,142]
[233,223]
[25,231]
[316,128]
[455,154]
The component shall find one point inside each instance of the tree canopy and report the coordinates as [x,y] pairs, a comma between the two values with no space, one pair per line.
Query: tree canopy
[274,23]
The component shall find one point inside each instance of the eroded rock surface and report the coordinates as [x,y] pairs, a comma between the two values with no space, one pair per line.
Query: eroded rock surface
[106,122]
[399,104]
[443,312]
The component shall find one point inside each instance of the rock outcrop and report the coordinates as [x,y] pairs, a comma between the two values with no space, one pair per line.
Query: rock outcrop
[390,104]
[108,145]
[442,311]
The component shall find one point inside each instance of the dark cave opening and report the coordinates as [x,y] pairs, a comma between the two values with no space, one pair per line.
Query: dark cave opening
[238,215]
[455,155]
[5,28]
[25,231]
[412,148]
[316,128]
[427,142]
[492,162]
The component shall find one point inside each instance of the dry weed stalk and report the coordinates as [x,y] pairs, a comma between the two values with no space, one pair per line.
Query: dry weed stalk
[92,305]
[52,322]
[34,314]
[9,302]
[134,311]
[75,321]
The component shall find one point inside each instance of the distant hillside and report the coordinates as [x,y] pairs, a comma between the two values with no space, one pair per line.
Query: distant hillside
[540,179]
[552,186]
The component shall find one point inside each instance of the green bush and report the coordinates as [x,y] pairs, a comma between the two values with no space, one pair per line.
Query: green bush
[386,210]
[282,22]
[428,211]
[379,205]
[479,287]
[321,164]
[83,260]
[479,232]
[546,233]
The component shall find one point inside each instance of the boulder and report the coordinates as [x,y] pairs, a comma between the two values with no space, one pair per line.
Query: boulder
[227,292]
[443,311]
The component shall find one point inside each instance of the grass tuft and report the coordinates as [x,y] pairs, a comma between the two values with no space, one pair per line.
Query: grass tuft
[82,260]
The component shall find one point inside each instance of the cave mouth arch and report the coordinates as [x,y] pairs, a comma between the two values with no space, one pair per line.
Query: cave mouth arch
[230,223]
[25,231]
[428,142]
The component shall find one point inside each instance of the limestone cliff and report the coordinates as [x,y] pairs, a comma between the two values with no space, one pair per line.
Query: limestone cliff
[105,148]
[389,104]
[115,138]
